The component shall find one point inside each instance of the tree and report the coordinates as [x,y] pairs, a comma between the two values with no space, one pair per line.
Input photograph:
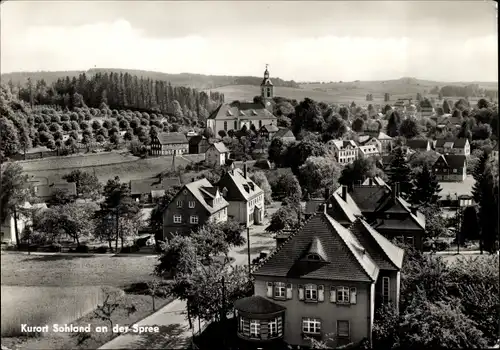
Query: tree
[14,192]
[447,107]
[318,174]
[60,197]
[209,241]
[482,103]
[109,307]
[283,218]
[435,223]
[10,142]
[409,128]
[208,133]
[426,187]
[178,256]
[462,104]
[400,172]
[393,124]
[477,174]
[277,152]
[488,209]
[299,152]
[233,232]
[260,180]
[307,116]
[359,170]
[87,185]
[156,218]
[358,125]
[386,97]
[469,230]
[287,186]
[74,220]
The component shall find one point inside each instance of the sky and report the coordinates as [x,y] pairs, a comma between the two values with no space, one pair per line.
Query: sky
[301,40]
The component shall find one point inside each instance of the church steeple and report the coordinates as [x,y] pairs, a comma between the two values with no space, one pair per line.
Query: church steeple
[266,87]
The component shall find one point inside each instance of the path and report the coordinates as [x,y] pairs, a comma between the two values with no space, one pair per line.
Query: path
[171,319]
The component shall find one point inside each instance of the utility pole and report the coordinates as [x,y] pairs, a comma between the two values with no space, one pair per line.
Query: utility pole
[248,251]
[458,224]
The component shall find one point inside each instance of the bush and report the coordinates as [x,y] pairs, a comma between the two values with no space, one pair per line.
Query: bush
[130,249]
[82,249]
[102,249]
[53,248]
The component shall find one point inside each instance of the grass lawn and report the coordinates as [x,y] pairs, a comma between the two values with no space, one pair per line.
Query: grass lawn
[47,289]
[459,188]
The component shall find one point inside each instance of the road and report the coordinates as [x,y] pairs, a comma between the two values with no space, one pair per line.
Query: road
[171,319]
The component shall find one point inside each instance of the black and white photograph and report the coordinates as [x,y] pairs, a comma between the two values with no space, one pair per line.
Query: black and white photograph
[249,175]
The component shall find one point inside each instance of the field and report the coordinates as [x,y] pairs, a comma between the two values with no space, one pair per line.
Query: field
[47,289]
[348,91]
[105,165]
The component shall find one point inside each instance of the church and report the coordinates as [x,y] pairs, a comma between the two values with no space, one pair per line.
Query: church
[233,116]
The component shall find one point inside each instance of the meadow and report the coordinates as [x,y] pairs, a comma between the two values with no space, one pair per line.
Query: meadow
[48,289]
[105,165]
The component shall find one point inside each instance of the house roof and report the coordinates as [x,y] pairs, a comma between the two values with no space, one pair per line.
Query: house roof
[379,135]
[257,305]
[238,187]
[348,207]
[36,150]
[346,259]
[342,144]
[48,190]
[168,138]
[241,110]
[385,254]
[455,143]
[417,144]
[374,180]
[220,147]
[284,132]
[203,191]
[454,161]
[152,184]
[270,128]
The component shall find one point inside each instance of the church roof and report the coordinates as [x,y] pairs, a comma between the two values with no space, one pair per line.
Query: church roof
[242,110]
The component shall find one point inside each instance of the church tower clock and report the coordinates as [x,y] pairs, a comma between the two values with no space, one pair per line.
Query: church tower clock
[266,89]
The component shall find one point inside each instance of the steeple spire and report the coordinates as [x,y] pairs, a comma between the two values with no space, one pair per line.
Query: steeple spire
[266,87]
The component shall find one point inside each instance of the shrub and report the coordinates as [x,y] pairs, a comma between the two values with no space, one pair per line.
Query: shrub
[102,249]
[130,249]
[82,249]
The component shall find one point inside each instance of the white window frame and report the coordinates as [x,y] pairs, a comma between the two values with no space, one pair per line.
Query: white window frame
[279,290]
[242,324]
[386,289]
[343,296]
[455,171]
[348,329]
[193,219]
[272,328]
[311,292]
[177,218]
[254,328]
[179,204]
[191,204]
[311,325]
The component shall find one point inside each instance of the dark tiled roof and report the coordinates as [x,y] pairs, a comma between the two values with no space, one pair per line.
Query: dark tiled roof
[257,305]
[195,140]
[417,144]
[454,161]
[284,132]
[147,185]
[270,128]
[199,189]
[169,138]
[346,259]
[384,253]
[238,187]
[242,110]
[369,198]
[457,143]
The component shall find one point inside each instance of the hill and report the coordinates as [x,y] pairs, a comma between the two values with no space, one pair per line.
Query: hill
[346,92]
[198,81]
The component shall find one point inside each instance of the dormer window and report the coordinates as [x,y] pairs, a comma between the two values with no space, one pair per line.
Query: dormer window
[242,114]
[229,113]
[313,257]
[254,112]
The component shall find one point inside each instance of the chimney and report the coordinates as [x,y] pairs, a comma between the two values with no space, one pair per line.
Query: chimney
[413,210]
[344,193]
[395,190]
[370,181]
[327,193]
[245,170]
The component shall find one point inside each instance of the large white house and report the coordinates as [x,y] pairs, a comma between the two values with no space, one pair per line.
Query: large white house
[345,151]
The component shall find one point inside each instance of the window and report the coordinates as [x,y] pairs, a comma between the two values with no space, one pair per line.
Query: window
[260,124]
[385,289]
[191,204]
[454,170]
[179,204]
[311,292]
[193,219]
[177,219]
[272,328]
[314,257]
[268,92]
[311,325]
[242,324]
[255,328]
[436,169]
[225,126]
[343,295]
[279,290]
[343,329]
[235,125]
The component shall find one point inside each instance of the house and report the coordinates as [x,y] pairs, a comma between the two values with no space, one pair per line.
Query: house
[246,199]
[216,154]
[419,145]
[324,279]
[145,190]
[449,123]
[268,131]
[35,152]
[238,114]
[368,150]
[385,140]
[169,143]
[45,192]
[399,105]
[451,168]
[198,144]
[368,140]
[384,209]
[7,228]
[345,151]
[460,146]
[426,111]
[285,134]
[196,203]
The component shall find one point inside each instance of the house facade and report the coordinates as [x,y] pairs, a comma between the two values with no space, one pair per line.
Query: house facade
[386,142]
[321,281]
[169,143]
[459,146]
[8,227]
[195,204]
[246,199]
[345,151]
[450,168]
[198,144]
[238,114]
[216,154]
